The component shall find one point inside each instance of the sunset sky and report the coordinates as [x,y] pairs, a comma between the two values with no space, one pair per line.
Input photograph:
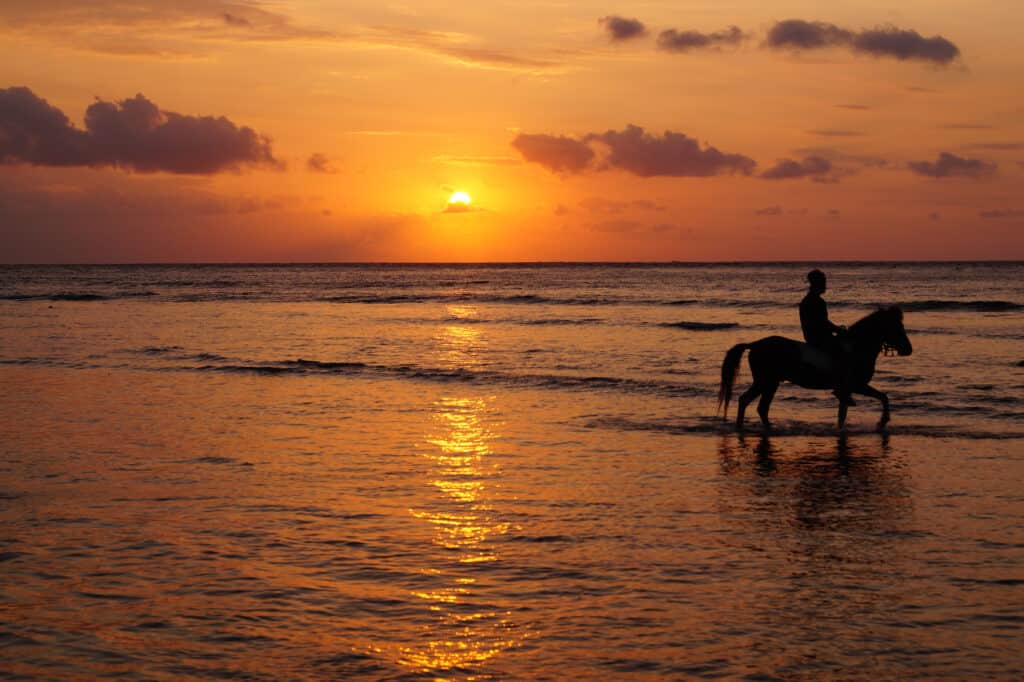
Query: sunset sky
[304,130]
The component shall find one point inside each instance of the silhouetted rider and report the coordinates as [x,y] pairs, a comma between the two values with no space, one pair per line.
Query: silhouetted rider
[819,331]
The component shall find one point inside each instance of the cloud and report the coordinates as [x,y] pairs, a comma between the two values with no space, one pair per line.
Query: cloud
[1002,213]
[829,132]
[319,163]
[634,151]
[617,226]
[817,168]
[617,207]
[132,134]
[837,156]
[797,34]
[620,29]
[684,41]
[672,154]
[457,48]
[854,107]
[195,28]
[233,20]
[950,165]
[477,160]
[151,29]
[769,211]
[966,126]
[882,41]
[999,146]
[889,41]
[557,154]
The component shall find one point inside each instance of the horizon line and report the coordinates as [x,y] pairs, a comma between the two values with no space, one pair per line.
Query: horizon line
[1008,261]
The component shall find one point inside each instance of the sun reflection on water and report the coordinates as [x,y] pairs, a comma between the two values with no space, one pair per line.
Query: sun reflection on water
[470,627]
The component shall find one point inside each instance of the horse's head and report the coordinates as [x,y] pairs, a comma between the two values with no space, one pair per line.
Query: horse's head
[893,333]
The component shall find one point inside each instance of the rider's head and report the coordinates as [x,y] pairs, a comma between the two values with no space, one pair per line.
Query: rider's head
[817,280]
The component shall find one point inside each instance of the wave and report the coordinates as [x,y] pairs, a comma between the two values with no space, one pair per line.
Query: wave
[786,428]
[439,374]
[974,306]
[462,297]
[701,326]
[73,296]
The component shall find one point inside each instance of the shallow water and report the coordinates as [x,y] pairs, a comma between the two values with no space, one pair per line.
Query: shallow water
[499,473]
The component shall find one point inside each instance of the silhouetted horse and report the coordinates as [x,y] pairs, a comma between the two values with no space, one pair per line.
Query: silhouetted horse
[775,359]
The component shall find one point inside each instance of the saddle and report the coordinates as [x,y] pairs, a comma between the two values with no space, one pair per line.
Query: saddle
[819,358]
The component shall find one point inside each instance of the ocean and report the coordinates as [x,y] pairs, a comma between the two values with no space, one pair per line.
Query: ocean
[501,471]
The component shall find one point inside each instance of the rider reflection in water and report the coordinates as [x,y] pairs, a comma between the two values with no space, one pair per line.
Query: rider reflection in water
[820,332]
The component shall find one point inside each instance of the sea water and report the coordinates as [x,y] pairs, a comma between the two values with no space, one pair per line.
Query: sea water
[500,472]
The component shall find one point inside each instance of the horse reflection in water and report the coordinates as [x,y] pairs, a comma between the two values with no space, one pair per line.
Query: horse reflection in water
[467,630]
[832,556]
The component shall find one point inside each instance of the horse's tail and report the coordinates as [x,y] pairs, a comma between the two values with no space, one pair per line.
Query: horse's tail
[729,367]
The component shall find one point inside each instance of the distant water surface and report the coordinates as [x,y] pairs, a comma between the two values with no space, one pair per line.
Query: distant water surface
[500,472]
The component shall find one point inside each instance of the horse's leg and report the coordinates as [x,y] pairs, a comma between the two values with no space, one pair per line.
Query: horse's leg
[744,400]
[843,407]
[765,403]
[882,398]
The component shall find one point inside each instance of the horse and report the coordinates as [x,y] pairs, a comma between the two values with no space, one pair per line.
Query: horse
[775,359]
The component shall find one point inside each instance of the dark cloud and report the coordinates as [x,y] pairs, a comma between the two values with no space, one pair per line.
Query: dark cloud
[883,41]
[950,165]
[634,151]
[769,211]
[966,126]
[672,154]
[889,41]
[815,167]
[684,41]
[854,107]
[797,34]
[319,163]
[132,134]
[556,153]
[1002,213]
[620,28]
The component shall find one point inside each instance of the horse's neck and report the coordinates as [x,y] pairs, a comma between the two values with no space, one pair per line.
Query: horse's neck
[868,345]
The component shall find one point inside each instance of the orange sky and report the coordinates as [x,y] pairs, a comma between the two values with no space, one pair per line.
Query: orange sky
[896,149]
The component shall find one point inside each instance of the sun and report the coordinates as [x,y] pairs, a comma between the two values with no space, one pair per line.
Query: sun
[459,199]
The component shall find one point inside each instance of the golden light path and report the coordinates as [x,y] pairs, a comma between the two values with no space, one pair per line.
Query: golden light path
[469,630]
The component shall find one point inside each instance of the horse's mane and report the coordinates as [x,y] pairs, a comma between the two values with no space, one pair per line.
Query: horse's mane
[873,320]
